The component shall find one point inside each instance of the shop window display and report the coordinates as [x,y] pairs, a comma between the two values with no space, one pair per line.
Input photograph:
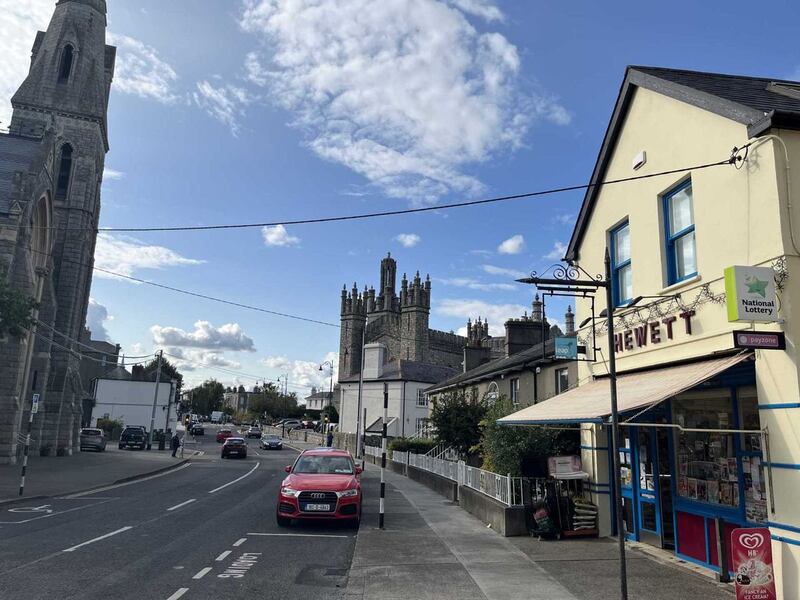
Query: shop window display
[755,486]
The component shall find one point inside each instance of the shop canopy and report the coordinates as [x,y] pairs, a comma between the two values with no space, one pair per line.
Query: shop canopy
[591,403]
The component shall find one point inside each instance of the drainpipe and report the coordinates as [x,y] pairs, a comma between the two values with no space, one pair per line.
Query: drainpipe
[403,412]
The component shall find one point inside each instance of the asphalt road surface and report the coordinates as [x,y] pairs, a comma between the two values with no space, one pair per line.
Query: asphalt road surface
[205,530]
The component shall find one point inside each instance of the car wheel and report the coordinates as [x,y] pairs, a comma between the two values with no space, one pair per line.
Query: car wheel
[283,521]
[121,446]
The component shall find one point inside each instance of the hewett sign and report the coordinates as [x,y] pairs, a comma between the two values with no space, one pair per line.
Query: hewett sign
[653,332]
[751,551]
[750,294]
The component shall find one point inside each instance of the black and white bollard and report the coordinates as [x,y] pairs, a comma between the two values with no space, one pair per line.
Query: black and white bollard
[383,452]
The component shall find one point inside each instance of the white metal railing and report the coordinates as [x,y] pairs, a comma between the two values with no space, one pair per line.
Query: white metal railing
[373,451]
[503,488]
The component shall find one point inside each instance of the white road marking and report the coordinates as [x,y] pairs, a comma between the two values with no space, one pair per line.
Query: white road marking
[239,542]
[314,535]
[119,485]
[61,512]
[222,487]
[201,573]
[97,539]
[222,556]
[178,594]
[182,504]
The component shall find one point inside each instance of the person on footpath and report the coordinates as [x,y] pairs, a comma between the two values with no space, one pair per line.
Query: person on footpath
[175,443]
[329,439]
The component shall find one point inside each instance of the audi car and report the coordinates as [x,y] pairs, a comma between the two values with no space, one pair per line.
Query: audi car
[234,446]
[323,483]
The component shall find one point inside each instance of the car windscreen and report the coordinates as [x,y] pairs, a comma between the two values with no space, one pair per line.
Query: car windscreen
[235,442]
[324,465]
[272,438]
[91,432]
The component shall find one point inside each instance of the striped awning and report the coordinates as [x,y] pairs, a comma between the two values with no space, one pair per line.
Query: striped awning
[591,403]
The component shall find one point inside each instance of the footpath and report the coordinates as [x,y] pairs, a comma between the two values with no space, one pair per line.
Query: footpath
[431,549]
[55,476]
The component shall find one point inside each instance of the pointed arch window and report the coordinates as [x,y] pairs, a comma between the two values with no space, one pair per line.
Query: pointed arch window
[65,66]
[64,172]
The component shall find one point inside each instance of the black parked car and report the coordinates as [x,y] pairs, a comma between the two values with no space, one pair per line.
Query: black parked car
[197,429]
[133,436]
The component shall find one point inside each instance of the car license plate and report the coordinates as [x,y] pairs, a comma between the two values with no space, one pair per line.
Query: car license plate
[318,507]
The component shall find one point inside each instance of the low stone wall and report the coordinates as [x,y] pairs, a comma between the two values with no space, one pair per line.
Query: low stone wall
[446,487]
[506,520]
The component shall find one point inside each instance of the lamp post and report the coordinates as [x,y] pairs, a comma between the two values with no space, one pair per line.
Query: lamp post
[330,393]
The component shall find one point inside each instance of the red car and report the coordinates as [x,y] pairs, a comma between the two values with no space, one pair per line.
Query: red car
[224,434]
[323,483]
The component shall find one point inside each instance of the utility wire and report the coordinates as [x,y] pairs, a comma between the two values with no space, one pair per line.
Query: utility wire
[732,160]
[87,347]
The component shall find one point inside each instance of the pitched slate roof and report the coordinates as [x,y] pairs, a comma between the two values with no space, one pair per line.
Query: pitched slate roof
[16,154]
[760,103]
[493,368]
[410,370]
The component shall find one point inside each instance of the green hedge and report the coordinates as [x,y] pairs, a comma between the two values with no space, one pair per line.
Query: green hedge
[416,445]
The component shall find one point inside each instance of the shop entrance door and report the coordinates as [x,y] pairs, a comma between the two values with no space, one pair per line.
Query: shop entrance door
[665,488]
[648,496]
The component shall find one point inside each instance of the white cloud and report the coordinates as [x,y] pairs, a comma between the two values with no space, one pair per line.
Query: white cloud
[497,314]
[96,317]
[513,245]
[110,174]
[474,284]
[141,71]
[480,8]
[278,236]
[558,252]
[126,255]
[407,94]
[493,270]
[19,22]
[192,359]
[305,373]
[225,103]
[408,240]
[565,219]
[226,337]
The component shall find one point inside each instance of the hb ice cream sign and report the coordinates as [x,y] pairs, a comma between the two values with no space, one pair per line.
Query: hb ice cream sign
[750,294]
[751,551]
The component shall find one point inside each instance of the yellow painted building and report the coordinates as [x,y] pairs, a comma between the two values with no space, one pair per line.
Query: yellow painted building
[687,394]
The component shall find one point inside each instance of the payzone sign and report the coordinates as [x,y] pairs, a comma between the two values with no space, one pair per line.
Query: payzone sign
[751,551]
[750,294]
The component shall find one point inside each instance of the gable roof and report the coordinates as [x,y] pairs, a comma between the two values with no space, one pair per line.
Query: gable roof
[760,103]
[537,355]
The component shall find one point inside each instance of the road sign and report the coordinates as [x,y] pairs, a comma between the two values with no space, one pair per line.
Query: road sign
[751,550]
[761,340]
[35,404]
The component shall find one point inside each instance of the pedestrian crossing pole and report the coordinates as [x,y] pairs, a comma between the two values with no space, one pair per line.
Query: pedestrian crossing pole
[383,451]
[34,410]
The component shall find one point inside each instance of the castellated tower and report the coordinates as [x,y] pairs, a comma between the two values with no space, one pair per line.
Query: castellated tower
[66,93]
[353,322]
[415,309]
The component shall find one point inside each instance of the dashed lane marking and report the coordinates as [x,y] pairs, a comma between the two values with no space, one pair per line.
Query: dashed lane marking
[97,539]
[177,506]
[222,487]
[239,542]
[313,535]
[178,594]
[201,573]
[224,555]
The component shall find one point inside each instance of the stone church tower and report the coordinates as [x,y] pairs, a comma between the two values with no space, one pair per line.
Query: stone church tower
[63,105]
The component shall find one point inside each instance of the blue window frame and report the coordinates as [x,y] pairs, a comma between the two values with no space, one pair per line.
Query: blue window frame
[621,270]
[679,233]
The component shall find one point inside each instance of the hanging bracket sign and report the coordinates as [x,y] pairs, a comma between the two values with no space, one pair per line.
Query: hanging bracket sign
[760,340]
[750,294]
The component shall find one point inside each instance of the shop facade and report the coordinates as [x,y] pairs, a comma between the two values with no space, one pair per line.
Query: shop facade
[709,430]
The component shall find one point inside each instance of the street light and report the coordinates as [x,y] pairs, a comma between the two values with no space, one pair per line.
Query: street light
[330,366]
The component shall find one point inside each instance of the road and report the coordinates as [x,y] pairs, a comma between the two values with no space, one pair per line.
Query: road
[205,530]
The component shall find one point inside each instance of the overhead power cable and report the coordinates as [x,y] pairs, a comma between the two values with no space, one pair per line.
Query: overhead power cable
[733,159]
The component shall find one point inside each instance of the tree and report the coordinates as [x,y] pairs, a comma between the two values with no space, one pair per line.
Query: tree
[207,397]
[16,309]
[521,450]
[333,414]
[168,371]
[457,420]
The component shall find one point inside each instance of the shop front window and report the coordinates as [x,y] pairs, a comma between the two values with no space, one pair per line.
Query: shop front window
[706,460]
[625,465]
[647,480]
[755,487]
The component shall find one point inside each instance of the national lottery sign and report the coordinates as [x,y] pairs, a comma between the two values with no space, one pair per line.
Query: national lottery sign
[751,551]
[750,294]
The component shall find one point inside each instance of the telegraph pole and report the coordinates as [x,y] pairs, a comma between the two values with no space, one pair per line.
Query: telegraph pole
[34,410]
[155,401]
[383,452]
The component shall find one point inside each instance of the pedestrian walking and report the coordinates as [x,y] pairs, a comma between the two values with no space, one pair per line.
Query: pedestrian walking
[175,443]
[329,439]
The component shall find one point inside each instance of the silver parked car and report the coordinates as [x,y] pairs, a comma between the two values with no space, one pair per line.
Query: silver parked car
[93,439]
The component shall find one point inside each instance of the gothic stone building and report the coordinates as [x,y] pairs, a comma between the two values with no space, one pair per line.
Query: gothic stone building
[51,170]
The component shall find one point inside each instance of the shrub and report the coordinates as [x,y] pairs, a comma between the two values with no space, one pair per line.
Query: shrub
[112,428]
[415,445]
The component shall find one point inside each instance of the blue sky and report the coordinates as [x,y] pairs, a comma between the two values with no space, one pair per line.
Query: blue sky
[230,111]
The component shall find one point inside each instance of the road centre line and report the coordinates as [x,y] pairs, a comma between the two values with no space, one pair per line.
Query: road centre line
[239,542]
[201,573]
[222,487]
[182,504]
[97,539]
[178,594]
[314,535]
